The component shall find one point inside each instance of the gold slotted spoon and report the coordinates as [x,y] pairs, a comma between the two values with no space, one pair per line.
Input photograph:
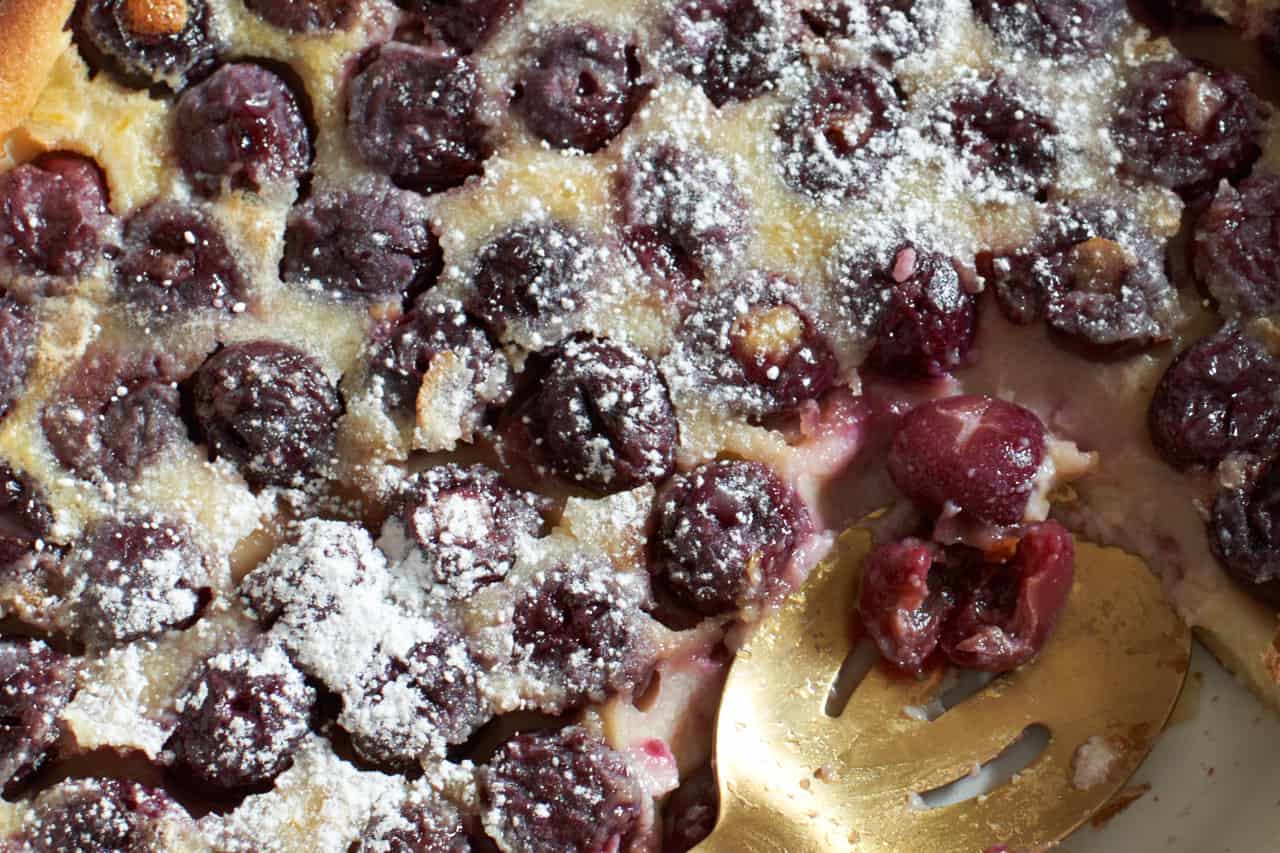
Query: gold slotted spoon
[794,780]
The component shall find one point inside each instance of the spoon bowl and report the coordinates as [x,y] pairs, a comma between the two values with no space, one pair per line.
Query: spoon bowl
[875,776]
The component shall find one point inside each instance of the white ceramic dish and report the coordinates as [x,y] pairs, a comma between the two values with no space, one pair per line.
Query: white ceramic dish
[1214,777]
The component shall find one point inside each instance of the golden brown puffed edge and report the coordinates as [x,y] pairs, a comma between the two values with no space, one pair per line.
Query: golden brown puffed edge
[32,36]
[1245,636]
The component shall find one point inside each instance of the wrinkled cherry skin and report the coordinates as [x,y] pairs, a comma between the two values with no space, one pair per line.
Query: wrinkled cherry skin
[980,454]
[464,25]
[1004,616]
[917,598]
[1186,127]
[240,129]
[1098,283]
[412,115]
[601,417]
[298,584]
[734,49]
[534,275]
[115,414]
[579,89]
[1062,29]
[895,29]
[683,213]
[577,632]
[306,16]
[920,312]
[467,523]
[723,536]
[560,791]
[434,682]
[53,213]
[36,683]
[241,721]
[1218,397]
[405,350]
[176,260]
[903,602]
[838,135]
[144,49]
[25,518]
[356,244]
[141,577]
[1236,248]
[99,816]
[1244,532]
[750,347]
[426,825]
[18,331]
[270,409]
[690,814]
[998,131]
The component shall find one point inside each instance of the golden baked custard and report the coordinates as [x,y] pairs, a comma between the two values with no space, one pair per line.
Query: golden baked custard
[408,407]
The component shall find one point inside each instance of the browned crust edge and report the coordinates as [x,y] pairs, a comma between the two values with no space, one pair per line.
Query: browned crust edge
[32,36]
[1245,638]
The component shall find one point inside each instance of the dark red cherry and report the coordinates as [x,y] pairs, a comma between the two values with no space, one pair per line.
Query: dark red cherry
[733,49]
[241,719]
[837,136]
[464,25]
[977,454]
[554,792]
[412,115]
[749,346]
[100,816]
[533,282]
[579,631]
[53,215]
[25,519]
[691,812]
[306,16]
[404,351]
[36,683]
[240,129]
[579,88]
[1063,29]
[1186,126]
[724,535]
[135,578]
[891,29]
[115,414]
[1236,248]
[409,705]
[999,133]
[601,417]
[352,243]
[18,330]
[1003,616]
[915,306]
[1217,398]
[148,42]
[1244,532]
[270,409]
[904,601]
[1094,277]
[683,213]
[424,823]
[176,261]
[460,527]
[308,577]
